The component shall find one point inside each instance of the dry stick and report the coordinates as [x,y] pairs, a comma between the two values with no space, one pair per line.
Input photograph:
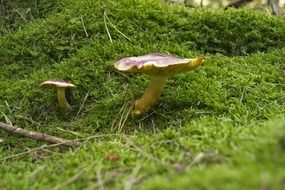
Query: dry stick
[55,145]
[242,96]
[110,176]
[84,28]
[37,135]
[99,176]
[198,158]
[124,119]
[29,151]
[35,173]
[79,173]
[6,118]
[138,149]
[106,16]
[21,15]
[82,105]
[132,178]
[106,27]
[114,125]
[71,132]
[8,107]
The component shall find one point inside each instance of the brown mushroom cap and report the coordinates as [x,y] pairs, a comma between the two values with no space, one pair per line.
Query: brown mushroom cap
[57,83]
[157,64]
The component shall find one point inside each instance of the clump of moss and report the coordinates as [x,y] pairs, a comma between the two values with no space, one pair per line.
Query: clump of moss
[17,13]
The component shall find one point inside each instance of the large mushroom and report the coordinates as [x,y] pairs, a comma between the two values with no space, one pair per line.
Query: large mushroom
[60,85]
[159,67]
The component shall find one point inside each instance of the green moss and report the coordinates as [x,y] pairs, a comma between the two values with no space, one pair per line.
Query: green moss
[259,165]
[223,108]
[15,14]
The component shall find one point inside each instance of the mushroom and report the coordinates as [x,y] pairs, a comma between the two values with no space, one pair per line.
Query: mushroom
[60,86]
[159,67]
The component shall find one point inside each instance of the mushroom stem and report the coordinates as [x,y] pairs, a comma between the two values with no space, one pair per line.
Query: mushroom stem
[150,96]
[61,99]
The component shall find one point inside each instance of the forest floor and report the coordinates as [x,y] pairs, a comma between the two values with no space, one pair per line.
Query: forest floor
[221,126]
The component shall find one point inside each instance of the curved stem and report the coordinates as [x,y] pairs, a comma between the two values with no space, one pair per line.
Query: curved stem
[61,99]
[150,96]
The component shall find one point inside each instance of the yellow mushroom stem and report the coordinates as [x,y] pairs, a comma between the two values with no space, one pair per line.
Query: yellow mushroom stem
[61,99]
[150,96]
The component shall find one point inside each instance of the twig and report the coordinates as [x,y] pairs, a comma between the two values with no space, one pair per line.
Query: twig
[242,96]
[34,174]
[132,178]
[106,16]
[29,151]
[117,126]
[71,132]
[107,29]
[70,180]
[84,28]
[99,176]
[6,118]
[82,105]
[133,146]
[109,177]
[58,144]
[28,119]
[148,115]
[8,107]
[75,177]
[196,160]
[36,135]
[21,15]
[124,119]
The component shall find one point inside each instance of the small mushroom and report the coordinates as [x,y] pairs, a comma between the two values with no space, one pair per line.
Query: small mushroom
[159,67]
[60,86]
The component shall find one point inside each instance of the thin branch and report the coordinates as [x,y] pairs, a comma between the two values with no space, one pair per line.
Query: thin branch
[36,135]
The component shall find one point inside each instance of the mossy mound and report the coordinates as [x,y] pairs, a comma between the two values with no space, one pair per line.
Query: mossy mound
[231,99]
[15,14]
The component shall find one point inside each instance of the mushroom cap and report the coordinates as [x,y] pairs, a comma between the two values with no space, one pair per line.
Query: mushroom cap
[58,83]
[158,64]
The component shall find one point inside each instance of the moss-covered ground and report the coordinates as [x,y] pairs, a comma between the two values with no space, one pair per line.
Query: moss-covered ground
[219,127]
